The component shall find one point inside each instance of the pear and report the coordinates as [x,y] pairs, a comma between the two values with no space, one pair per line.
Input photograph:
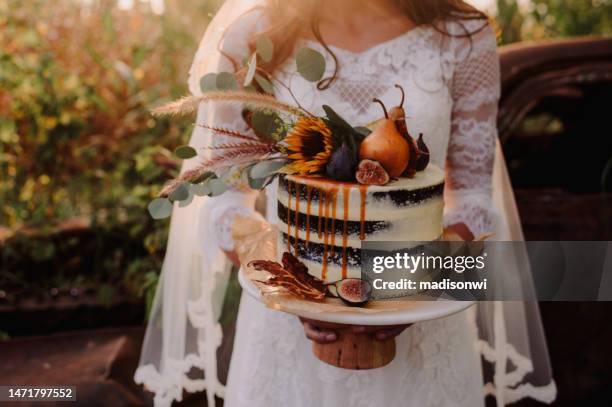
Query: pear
[398,114]
[387,146]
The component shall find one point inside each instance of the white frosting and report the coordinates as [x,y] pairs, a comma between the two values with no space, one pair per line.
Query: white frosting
[422,222]
[376,209]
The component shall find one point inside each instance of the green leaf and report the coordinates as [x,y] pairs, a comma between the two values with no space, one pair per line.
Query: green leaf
[204,177]
[185,152]
[251,71]
[187,200]
[160,208]
[180,193]
[364,131]
[310,64]
[217,187]
[258,183]
[201,189]
[208,82]
[265,124]
[335,117]
[265,48]
[226,81]
[265,84]
[264,169]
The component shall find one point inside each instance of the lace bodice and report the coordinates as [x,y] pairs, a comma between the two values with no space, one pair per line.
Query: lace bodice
[452,88]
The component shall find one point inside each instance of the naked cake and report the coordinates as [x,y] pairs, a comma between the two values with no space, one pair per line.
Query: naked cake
[323,221]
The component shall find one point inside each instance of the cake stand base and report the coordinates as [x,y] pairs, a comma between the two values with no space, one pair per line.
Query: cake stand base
[356,351]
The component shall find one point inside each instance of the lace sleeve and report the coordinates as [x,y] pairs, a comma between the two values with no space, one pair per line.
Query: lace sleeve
[240,200]
[475,91]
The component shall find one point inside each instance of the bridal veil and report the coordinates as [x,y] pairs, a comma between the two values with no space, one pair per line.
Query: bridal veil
[183,334]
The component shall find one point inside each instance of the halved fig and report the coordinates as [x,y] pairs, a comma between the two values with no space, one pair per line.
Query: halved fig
[370,172]
[332,290]
[354,291]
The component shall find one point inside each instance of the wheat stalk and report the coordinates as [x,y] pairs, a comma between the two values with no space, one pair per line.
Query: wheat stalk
[230,157]
[259,101]
[230,146]
[229,133]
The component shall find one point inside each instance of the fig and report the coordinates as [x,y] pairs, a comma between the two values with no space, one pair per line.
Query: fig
[387,146]
[423,160]
[370,172]
[332,290]
[342,164]
[354,291]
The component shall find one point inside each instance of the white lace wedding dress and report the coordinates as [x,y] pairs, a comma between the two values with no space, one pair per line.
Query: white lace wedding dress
[452,88]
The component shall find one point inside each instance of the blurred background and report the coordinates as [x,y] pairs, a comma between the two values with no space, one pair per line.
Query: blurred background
[81,157]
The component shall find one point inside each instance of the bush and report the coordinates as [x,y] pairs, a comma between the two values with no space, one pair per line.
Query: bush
[79,145]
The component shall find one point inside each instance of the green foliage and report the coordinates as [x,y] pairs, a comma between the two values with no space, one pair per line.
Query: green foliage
[310,64]
[77,141]
[553,18]
[265,48]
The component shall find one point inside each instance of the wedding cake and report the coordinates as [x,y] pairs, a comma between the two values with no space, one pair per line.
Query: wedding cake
[323,221]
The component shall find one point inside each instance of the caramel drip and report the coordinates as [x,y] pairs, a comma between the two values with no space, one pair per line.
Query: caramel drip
[325,236]
[363,189]
[297,213]
[334,194]
[321,204]
[346,193]
[308,206]
[289,183]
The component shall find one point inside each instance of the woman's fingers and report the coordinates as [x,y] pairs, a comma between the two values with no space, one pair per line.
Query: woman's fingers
[325,332]
[317,334]
[389,332]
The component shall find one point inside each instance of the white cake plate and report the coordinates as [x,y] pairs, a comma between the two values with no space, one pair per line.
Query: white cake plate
[418,311]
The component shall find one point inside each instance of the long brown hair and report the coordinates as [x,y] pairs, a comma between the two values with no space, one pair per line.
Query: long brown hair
[286,22]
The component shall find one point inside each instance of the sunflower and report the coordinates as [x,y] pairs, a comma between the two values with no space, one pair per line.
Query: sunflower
[309,146]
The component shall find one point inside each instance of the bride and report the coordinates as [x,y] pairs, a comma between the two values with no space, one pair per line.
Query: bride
[443,53]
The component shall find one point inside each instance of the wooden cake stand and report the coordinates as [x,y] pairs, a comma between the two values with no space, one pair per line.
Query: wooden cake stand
[361,350]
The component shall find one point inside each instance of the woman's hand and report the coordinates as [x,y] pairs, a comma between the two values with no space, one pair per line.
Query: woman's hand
[461,230]
[326,332]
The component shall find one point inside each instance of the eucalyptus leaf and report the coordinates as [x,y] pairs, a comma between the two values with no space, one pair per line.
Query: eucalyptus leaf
[180,193]
[204,177]
[186,201]
[251,71]
[201,189]
[310,64]
[217,187]
[265,48]
[264,169]
[208,82]
[257,183]
[185,152]
[160,208]
[226,81]
[265,84]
